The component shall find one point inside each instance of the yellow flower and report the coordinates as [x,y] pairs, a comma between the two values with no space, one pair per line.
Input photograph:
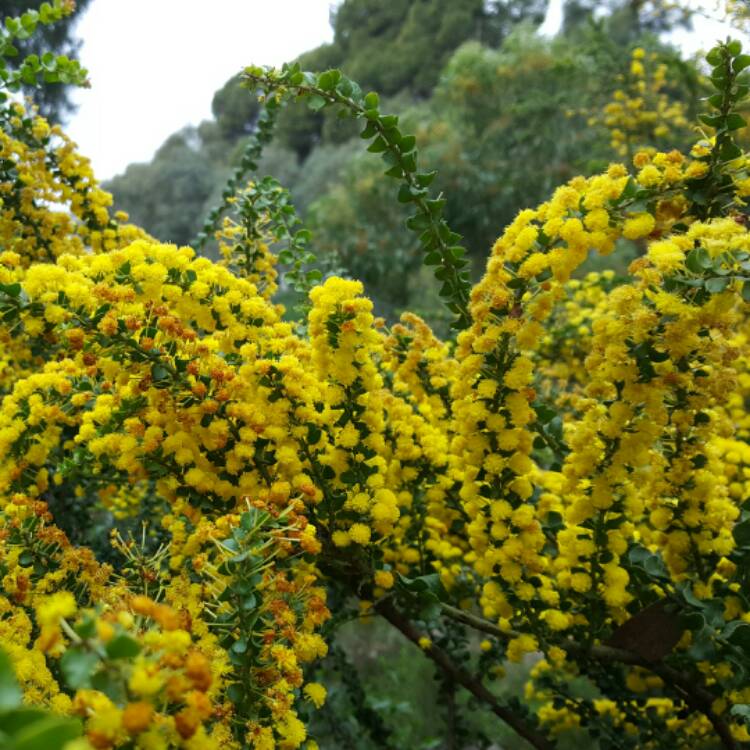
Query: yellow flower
[56,607]
[384,579]
[360,534]
[341,538]
[666,256]
[315,693]
[523,644]
[638,226]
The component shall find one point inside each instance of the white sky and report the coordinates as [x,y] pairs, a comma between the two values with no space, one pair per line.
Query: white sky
[154,65]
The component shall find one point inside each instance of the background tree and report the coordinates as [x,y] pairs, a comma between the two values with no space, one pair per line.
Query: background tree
[182,175]
[502,111]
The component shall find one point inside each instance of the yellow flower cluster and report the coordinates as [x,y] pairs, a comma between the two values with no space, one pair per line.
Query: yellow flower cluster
[50,202]
[641,113]
[575,460]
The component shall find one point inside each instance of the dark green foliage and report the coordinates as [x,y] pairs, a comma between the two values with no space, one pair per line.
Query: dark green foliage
[331,89]
[626,20]
[235,113]
[403,45]
[399,46]
[384,695]
[714,193]
[359,220]
[26,728]
[498,128]
[299,128]
[54,102]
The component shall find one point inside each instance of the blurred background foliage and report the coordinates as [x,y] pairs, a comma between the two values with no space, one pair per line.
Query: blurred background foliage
[383,695]
[502,112]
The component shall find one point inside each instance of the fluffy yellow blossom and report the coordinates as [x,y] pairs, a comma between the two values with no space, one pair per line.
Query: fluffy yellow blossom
[315,693]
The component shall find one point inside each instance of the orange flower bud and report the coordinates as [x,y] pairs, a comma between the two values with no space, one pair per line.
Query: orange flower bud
[137,716]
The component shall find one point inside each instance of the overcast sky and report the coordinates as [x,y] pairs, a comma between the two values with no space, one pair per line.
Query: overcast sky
[155,64]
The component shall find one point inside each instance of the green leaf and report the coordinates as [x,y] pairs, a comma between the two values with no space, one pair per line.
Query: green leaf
[314,434]
[10,693]
[738,634]
[699,461]
[715,56]
[735,121]
[78,666]
[693,621]
[407,143]
[425,179]
[717,284]
[52,733]
[405,194]
[316,102]
[240,646]
[430,582]
[86,628]
[369,130]
[730,151]
[742,710]
[13,721]
[436,206]
[327,80]
[543,412]
[654,566]
[741,533]
[698,260]
[12,290]
[159,374]
[314,276]
[430,610]
[235,692]
[702,648]
[123,646]
[110,684]
[378,145]
[713,121]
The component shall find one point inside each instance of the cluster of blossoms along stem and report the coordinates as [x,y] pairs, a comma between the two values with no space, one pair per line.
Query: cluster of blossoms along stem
[640,114]
[563,496]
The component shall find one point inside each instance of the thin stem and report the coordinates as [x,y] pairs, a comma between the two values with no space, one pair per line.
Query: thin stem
[386,609]
[696,696]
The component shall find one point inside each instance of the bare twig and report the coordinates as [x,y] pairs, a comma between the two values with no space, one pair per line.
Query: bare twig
[697,697]
[386,609]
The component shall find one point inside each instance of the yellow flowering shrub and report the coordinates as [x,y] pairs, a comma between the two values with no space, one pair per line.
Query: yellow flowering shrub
[568,476]
[641,114]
